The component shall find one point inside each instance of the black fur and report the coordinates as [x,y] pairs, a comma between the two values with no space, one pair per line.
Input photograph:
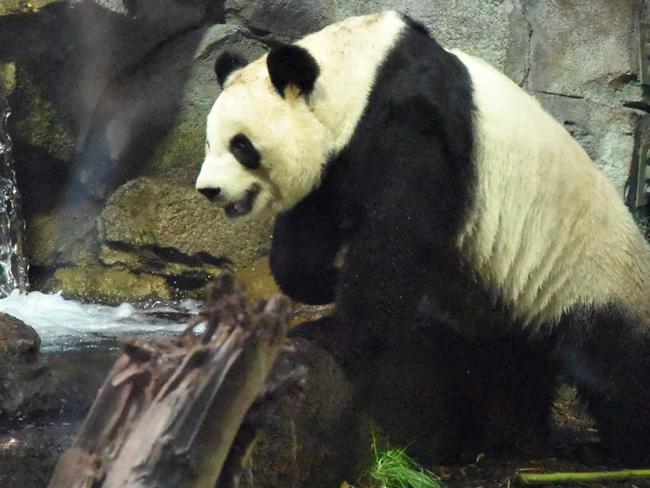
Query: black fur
[227,62]
[242,148]
[291,64]
[606,354]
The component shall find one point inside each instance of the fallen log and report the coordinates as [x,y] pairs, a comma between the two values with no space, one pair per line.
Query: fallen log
[169,410]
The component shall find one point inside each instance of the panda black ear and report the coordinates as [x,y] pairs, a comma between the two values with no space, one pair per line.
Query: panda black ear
[289,64]
[227,62]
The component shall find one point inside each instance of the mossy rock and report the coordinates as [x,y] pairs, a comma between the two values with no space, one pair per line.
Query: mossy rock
[110,285]
[149,216]
[36,121]
[15,7]
[258,280]
[185,144]
[67,235]
[7,79]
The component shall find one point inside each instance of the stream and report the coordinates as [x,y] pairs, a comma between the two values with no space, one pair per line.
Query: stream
[68,324]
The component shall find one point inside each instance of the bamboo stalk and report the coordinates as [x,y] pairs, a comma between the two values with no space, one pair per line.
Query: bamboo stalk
[582,477]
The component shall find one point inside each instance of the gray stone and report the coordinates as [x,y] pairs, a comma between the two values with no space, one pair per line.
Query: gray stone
[28,455]
[169,96]
[577,44]
[606,133]
[284,20]
[18,7]
[180,153]
[77,47]
[178,225]
[110,35]
[494,30]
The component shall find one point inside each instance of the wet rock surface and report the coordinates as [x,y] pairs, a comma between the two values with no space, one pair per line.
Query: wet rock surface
[30,446]
[306,430]
[25,381]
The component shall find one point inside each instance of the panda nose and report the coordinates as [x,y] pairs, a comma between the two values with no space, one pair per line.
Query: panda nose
[210,193]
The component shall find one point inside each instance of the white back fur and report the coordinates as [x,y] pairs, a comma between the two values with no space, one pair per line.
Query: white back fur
[548,230]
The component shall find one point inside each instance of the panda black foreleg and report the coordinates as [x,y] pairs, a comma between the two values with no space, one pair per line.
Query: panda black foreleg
[382,280]
[606,353]
[305,244]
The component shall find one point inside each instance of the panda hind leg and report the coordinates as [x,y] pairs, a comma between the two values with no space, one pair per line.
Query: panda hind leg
[606,353]
[508,382]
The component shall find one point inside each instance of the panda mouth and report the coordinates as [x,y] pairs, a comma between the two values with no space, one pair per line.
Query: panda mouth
[244,205]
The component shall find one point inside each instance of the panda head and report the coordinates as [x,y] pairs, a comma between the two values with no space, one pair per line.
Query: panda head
[265,148]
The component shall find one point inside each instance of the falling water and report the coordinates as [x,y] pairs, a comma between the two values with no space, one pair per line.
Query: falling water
[13,264]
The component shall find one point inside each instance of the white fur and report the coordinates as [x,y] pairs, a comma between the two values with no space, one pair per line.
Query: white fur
[548,230]
[294,138]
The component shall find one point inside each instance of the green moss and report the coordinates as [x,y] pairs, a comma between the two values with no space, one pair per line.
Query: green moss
[66,234]
[9,7]
[179,154]
[36,121]
[110,285]
[7,78]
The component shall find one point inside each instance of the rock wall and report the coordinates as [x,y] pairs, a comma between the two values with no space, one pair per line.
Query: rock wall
[110,98]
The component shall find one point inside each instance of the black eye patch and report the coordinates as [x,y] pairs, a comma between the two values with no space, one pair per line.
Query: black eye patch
[242,148]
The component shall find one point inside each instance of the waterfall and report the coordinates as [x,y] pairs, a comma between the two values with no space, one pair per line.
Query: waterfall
[13,264]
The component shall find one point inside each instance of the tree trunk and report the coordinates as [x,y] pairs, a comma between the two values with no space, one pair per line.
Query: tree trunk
[169,410]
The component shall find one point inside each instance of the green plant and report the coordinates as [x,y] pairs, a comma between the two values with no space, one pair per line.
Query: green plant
[393,468]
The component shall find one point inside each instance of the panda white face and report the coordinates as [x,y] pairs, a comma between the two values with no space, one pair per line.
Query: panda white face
[265,148]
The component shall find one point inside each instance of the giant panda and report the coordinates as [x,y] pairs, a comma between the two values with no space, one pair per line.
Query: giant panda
[456,197]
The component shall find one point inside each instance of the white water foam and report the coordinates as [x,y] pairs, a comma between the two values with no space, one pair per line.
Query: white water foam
[64,324]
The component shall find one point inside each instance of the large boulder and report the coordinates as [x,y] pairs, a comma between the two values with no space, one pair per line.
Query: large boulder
[152,121]
[74,48]
[156,226]
[25,383]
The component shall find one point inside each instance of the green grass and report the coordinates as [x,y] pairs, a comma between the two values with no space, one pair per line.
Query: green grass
[393,468]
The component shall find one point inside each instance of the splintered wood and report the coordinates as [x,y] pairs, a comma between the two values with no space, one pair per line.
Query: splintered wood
[169,410]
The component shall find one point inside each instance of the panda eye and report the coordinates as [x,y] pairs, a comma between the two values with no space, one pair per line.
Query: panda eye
[244,151]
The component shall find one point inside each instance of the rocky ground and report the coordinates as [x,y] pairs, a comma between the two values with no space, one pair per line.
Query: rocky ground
[307,433]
